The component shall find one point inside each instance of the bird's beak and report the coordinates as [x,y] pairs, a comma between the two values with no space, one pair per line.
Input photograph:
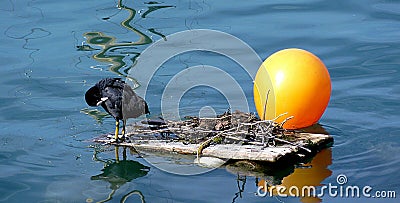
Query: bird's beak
[103,99]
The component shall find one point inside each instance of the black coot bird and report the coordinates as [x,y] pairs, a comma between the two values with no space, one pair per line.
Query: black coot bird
[118,99]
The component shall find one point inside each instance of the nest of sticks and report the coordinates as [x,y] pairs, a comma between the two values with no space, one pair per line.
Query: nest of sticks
[228,128]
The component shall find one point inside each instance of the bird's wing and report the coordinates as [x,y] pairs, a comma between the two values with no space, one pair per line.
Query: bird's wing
[112,90]
[133,105]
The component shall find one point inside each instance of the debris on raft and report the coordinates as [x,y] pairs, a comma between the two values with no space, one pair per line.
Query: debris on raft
[231,135]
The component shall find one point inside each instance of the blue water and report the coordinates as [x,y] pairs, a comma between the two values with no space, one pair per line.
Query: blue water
[49,61]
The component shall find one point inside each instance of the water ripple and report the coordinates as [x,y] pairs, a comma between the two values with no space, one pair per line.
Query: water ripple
[10,188]
[48,65]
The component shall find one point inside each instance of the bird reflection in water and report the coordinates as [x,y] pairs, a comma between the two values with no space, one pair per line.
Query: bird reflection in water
[118,172]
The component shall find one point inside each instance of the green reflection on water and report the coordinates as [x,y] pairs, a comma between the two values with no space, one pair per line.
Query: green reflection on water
[153,8]
[109,44]
[96,114]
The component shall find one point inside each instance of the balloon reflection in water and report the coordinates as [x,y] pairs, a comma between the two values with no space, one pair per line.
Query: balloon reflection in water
[309,175]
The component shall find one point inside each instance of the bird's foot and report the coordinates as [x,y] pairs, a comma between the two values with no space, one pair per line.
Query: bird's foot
[118,140]
[114,139]
[121,139]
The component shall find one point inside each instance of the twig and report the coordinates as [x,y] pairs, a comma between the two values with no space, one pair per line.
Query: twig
[220,118]
[206,144]
[286,119]
[294,144]
[265,104]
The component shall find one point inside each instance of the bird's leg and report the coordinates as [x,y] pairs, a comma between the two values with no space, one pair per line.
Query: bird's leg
[124,154]
[116,130]
[116,154]
[123,128]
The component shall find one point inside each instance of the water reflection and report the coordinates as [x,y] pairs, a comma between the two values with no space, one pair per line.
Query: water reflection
[116,53]
[119,172]
[241,182]
[108,47]
[309,174]
[152,8]
[96,114]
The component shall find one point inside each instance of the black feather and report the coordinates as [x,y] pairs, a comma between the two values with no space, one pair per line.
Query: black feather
[121,103]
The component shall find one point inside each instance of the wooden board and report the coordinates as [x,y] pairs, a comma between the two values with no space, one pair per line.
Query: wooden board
[314,142]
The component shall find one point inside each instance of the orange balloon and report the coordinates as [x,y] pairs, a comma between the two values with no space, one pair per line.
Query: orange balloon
[292,81]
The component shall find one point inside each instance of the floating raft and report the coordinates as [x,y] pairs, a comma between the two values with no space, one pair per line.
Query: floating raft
[233,136]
